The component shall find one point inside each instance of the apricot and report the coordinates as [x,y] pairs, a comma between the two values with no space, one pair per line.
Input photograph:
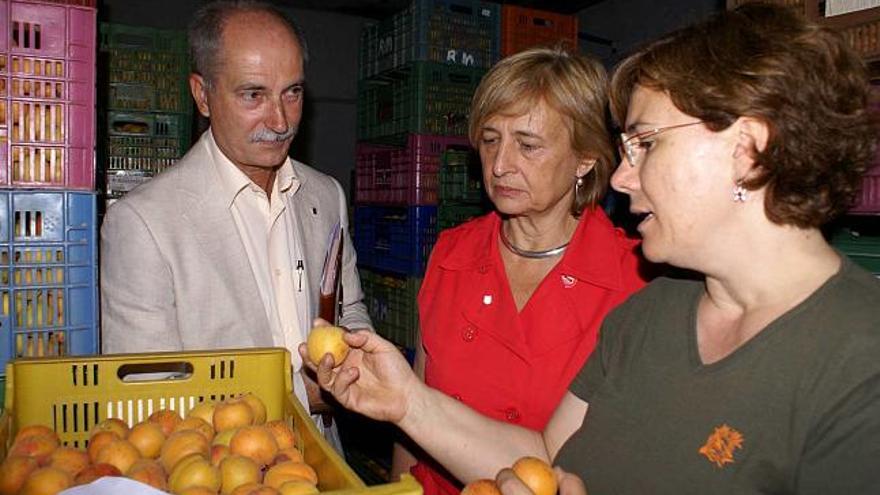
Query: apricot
[481,487]
[254,489]
[196,424]
[115,425]
[40,447]
[181,444]
[196,472]
[46,481]
[149,472]
[13,472]
[257,406]
[148,438]
[69,459]
[98,441]
[204,410]
[197,490]
[284,435]
[255,442]
[223,437]
[218,453]
[120,453]
[95,471]
[33,430]
[167,419]
[324,340]
[297,487]
[237,470]
[233,413]
[536,474]
[289,471]
[289,454]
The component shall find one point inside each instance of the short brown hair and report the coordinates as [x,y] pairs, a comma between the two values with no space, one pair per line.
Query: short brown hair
[573,85]
[767,62]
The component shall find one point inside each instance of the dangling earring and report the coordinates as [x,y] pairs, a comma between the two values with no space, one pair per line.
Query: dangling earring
[740,193]
[579,183]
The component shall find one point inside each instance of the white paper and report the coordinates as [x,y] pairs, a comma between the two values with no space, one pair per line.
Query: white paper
[111,485]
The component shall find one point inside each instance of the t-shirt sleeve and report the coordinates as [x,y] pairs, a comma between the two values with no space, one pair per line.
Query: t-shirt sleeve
[592,374]
[844,450]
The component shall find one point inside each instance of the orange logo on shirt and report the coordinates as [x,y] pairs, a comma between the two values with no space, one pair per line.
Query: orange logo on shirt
[720,445]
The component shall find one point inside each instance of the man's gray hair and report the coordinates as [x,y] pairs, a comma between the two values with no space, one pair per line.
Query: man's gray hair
[206,32]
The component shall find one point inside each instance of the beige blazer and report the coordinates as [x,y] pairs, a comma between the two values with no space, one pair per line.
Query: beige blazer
[175,274]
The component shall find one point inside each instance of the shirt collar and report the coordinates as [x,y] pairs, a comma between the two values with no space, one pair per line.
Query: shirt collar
[593,256]
[233,180]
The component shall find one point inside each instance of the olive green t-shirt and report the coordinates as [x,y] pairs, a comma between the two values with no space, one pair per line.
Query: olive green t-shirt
[795,410]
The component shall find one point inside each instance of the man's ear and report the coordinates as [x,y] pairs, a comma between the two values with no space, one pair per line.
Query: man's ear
[199,89]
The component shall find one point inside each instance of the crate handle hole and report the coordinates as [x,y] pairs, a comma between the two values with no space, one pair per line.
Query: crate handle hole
[154,372]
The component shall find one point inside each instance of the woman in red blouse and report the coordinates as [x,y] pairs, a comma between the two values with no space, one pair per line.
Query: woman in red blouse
[511,303]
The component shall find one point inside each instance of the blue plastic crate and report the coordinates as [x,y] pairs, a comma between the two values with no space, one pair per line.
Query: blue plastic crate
[48,274]
[397,239]
[458,32]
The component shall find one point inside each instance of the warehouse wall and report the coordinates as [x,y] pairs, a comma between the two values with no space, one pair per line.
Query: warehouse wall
[327,134]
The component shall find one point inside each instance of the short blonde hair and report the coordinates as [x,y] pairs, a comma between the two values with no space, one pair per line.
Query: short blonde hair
[571,84]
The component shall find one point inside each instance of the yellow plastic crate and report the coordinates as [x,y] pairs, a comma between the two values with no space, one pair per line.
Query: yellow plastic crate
[73,394]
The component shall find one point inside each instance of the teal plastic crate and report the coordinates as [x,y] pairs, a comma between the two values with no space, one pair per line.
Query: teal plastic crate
[456,32]
[863,249]
[391,303]
[420,98]
[146,141]
[461,178]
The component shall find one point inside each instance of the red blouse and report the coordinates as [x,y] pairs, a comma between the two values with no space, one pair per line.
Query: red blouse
[509,365]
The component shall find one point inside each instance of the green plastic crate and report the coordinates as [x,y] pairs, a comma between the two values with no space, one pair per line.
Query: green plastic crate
[421,98]
[391,302]
[451,214]
[460,32]
[461,178]
[147,68]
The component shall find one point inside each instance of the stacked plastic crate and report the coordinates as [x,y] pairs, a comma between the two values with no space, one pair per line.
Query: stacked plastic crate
[48,275]
[525,28]
[419,70]
[147,111]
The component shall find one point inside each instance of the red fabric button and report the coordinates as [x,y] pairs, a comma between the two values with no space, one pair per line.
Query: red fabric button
[469,334]
[512,415]
[484,269]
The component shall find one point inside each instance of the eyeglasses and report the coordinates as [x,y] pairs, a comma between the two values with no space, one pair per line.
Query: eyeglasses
[634,148]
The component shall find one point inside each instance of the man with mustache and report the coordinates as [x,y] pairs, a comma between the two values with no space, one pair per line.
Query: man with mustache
[226,248]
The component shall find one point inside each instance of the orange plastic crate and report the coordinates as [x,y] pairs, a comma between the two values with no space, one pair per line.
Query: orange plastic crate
[523,28]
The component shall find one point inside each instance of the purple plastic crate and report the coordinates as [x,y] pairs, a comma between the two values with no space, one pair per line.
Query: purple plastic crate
[47,95]
[869,199]
[403,176]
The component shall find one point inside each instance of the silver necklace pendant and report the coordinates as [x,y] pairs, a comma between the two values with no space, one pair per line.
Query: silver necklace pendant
[535,255]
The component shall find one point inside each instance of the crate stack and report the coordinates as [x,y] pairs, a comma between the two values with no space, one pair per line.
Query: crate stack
[48,236]
[418,73]
[146,110]
[524,28]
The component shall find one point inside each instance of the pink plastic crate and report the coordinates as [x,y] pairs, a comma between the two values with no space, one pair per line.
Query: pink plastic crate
[402,176]
[47,95]
[869,200]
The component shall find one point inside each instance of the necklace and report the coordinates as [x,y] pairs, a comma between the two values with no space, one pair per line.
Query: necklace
[535,255]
